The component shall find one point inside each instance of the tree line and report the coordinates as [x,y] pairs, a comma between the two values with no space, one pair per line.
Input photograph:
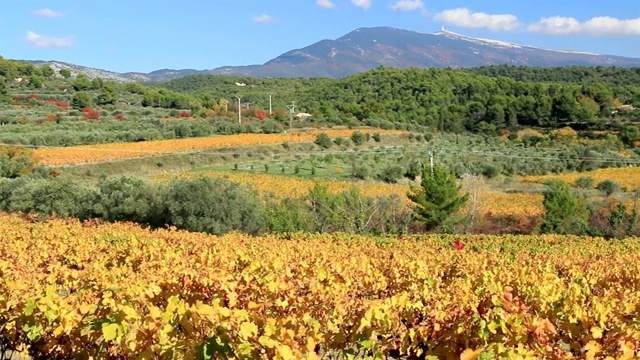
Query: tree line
[495,97]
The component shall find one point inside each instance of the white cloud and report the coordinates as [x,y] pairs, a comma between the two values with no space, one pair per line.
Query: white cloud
[408,5]
[462,17]
[325,4]
[264,19]
[48,42]
[601,25]
[365,4]
[46,12]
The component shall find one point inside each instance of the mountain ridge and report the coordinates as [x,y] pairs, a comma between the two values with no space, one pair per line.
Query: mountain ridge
[366,48]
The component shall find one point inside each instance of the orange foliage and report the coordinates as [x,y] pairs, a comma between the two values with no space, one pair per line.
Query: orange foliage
[120,151]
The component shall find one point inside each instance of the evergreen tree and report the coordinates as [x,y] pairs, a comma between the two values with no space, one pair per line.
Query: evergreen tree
[65,73]
[563,212]
[82,82]
[3,86]
[81,100]
[438,196]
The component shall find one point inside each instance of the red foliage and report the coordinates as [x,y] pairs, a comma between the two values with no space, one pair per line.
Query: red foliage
[459,245]
[185,114]
[55,173]
[62,104]
[33,97]
[505,132]
[261,114]
[120,117]
[90,114]
[18,97]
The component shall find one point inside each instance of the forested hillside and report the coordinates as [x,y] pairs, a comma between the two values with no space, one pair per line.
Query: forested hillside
[610,76]
[484,100]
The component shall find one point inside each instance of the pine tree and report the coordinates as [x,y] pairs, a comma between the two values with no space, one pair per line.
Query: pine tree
[437,197]
[563,212]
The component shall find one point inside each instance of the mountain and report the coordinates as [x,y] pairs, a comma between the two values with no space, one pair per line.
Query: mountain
[368,48]
[92,73]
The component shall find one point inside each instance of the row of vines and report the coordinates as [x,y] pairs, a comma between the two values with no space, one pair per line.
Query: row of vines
[109,291]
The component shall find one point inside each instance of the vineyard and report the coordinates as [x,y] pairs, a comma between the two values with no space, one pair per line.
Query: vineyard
[89,290]
[627,177]
[120,151]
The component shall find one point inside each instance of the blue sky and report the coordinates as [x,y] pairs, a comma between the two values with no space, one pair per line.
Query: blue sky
[144,35]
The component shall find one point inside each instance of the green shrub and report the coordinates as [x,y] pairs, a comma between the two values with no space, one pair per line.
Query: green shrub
[215,206]
[323,140]
[391,174]
[358,138]
[609,187]
[584,182]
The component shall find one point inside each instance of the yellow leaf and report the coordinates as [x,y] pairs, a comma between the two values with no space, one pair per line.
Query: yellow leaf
[110,331]
[596,332]
[469,354]
[311,345]
[248,329]
[592,349]
[285,352]
[253,305]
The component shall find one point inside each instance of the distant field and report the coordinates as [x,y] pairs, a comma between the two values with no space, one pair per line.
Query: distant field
[628,177]
[496,203]
[120,151]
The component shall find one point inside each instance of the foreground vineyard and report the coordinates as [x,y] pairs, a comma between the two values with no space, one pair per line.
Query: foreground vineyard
[118,291]
[120,151]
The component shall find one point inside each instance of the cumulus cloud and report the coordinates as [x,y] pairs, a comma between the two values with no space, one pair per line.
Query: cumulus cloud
[365,4]
[46,12]
[408,5]
[601,25]
[325,4]
[462,17]
[48,42]
[264,19]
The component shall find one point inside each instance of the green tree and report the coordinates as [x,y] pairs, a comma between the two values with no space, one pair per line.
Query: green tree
[127,198]
[47,72]
[358,138]
[564,213]
[81,100]
[289,215]
[609,187]
[82,82]
[65,73]
[437,197]
[323,140]
[215,206]
[58,196]
[35,82]
[3,86]
[108,94]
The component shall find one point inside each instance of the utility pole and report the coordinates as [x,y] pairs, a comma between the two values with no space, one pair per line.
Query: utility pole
[431,158]
[239,110]
[291,108]
[270,111]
